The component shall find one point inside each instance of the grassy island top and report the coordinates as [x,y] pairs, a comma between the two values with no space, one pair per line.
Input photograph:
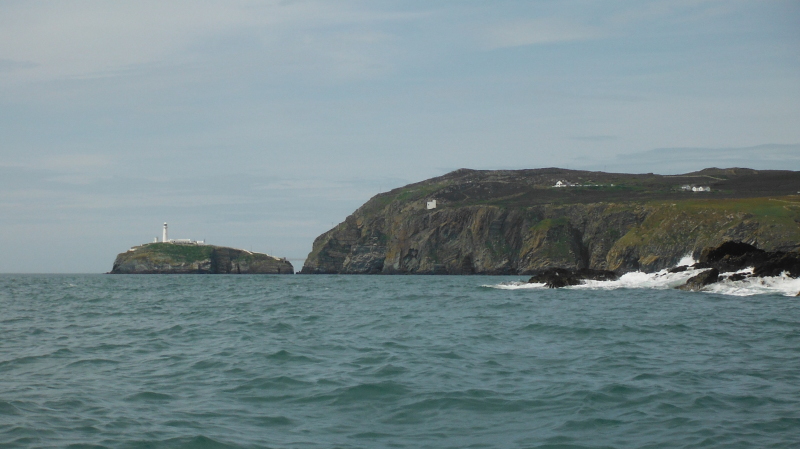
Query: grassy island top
[183,253]
[171,251]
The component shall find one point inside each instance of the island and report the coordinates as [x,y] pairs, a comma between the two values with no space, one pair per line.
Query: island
[193,258]
[527,221]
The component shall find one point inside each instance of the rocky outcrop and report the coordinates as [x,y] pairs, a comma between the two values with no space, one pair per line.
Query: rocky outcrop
[562,277]
[735,256]
[697,282]
[736,259]
[169,258]
[516,222]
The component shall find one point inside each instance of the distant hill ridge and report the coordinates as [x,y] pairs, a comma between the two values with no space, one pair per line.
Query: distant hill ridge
[519,222]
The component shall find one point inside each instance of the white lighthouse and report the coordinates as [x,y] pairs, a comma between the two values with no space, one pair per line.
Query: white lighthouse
[164,235]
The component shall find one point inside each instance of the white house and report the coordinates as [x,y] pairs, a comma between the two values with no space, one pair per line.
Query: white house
[431,204]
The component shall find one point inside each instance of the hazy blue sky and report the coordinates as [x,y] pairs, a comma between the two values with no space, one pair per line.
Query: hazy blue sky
[260,124]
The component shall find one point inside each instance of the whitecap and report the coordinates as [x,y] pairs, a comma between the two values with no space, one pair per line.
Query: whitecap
[770,285]
[514,285]
[664,279]
[687,261]
[637,279]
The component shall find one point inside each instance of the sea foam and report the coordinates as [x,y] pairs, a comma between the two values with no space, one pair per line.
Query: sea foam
[780,285]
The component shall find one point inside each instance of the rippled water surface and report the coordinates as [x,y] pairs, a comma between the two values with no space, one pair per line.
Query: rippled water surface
[390,361]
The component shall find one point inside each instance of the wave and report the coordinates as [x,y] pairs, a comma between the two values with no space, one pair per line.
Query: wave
[664,279]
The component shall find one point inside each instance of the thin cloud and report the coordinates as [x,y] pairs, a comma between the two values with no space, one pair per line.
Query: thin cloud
[673,10]
[596,138]
[101,39]
[10,65]
[685,160]
[538,32]
[75,162]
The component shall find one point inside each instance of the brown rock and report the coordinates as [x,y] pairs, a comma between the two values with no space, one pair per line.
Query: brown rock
[696,283]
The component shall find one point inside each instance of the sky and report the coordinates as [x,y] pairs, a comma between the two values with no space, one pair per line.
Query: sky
[261,124]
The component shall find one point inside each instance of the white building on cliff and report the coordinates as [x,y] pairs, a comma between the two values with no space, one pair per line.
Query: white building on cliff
[166,239]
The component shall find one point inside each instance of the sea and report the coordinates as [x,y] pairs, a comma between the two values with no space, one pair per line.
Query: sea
[338,361]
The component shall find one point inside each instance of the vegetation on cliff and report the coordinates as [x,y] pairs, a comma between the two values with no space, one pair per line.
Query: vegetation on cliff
[515,222]
[170,258]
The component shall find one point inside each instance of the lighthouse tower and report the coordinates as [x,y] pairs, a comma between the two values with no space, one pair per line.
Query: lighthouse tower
[164,235]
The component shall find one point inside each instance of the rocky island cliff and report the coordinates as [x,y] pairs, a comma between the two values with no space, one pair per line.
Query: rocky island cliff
[172,258]
[525,221]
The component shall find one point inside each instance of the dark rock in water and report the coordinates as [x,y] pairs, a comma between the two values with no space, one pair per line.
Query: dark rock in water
[732,256]
[597,275]
[736,277]
[727,249]
[542,277]
[735,256]
[779,263]
[679,269]
[701,280]
[563,277]
[556,278]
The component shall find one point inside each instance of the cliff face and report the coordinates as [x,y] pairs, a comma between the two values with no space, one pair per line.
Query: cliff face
[168,258]
[518,223]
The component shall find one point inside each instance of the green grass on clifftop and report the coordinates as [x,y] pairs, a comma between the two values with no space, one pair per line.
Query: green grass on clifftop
[173,252]
[701,220]
[784,208]
[525,188]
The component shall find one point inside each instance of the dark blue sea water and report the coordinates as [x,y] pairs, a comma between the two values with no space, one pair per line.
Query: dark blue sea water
[390,361]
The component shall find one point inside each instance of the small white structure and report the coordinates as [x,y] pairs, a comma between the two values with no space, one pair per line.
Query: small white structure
[563,183]
[701,189]
[431,204]
[166,239]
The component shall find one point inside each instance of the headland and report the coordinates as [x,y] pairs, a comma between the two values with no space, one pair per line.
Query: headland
[527,221]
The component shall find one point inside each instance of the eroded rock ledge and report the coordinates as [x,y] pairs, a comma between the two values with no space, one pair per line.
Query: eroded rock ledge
[732,260]
[728,260]
[563,277]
